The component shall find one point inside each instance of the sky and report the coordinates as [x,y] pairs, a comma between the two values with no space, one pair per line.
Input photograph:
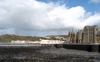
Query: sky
[47,17]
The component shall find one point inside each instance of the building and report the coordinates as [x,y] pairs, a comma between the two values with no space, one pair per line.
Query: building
[19,41]
[72,37]
[89,34]
[51,42]
[38,42]
[56,37]
[68,40]
[79,36]
[98,37]
[75,37]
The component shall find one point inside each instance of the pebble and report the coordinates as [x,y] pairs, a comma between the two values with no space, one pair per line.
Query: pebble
[47,54]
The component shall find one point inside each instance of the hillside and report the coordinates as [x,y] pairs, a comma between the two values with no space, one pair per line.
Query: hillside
[65,36]
[9,37]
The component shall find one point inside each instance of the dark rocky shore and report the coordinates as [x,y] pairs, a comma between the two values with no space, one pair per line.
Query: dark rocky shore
[46,54]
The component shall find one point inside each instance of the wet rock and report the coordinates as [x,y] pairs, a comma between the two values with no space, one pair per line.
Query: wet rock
[46,54]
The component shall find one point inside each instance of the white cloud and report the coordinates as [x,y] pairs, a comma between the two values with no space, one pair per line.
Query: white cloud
[95,1]
[31,17]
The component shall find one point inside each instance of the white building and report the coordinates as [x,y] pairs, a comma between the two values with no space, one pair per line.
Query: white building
[51,42]
[39,42]
[19,41]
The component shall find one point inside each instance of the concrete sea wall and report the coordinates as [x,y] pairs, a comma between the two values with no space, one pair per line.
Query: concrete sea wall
[85,47]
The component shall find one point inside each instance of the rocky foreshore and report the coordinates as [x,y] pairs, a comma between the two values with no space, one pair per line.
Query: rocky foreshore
[46,54]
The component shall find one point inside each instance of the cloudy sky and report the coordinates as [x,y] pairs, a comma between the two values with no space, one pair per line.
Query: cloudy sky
[47,17]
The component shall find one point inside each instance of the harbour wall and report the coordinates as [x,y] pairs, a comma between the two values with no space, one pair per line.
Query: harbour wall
[85,47]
